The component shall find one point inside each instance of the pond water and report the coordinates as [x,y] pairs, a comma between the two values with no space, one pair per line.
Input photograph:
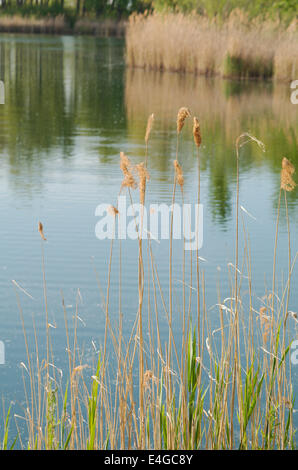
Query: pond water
[70,107]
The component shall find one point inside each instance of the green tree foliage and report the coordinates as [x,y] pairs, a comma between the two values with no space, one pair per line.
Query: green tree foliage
[223,8]
[114,8]
[123,8]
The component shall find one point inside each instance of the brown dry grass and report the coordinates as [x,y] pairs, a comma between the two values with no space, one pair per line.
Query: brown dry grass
[234,48]
[30,24]
[58,25]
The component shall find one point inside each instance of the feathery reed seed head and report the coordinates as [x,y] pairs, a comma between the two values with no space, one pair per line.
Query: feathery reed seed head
[40,229]
[179,174]
[113,210]
[183,113]
[78,370]
[129,181]
[197,132]
[126,166]
[265,322]
[124,163]
[149,378]
[286,181]
[143,177]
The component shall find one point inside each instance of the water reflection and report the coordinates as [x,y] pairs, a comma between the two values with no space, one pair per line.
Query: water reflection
[69,95]
[55,89]
[225,110]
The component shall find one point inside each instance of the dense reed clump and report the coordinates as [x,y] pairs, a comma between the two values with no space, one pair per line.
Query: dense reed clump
[20,24]
[60,24]
[194,391]
[237,47]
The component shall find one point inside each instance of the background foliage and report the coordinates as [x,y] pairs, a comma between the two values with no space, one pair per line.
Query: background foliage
[122,8]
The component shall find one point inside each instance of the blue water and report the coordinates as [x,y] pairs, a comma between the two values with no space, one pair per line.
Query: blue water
[70,108]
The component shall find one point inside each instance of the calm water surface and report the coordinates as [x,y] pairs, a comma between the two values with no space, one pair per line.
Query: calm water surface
[70,108]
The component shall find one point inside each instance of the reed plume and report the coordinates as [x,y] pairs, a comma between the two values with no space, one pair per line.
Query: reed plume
[113,210]
[287,183]
[149,379]
[265,322]
[143,177]
[77,370]
[197,132]
[183,113]
[179,174]
[129,182]
[125,164]
[40,229]
[126,168]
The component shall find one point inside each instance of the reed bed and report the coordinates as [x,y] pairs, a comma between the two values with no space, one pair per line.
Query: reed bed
[20,24]
[225,389]
[60,24]
[235,48]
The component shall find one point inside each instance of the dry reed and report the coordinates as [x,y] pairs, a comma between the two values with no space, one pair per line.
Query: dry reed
[183,113]
[59,25]
[287,183]
[143,177]
[113,210]
[31,24]
[40,230]
[179,174]
[236,47]
[197,132]
[127,168]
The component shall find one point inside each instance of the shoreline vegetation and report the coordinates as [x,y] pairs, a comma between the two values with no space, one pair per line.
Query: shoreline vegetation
[229,39]
[236,47]
[93,17]
[59,24]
